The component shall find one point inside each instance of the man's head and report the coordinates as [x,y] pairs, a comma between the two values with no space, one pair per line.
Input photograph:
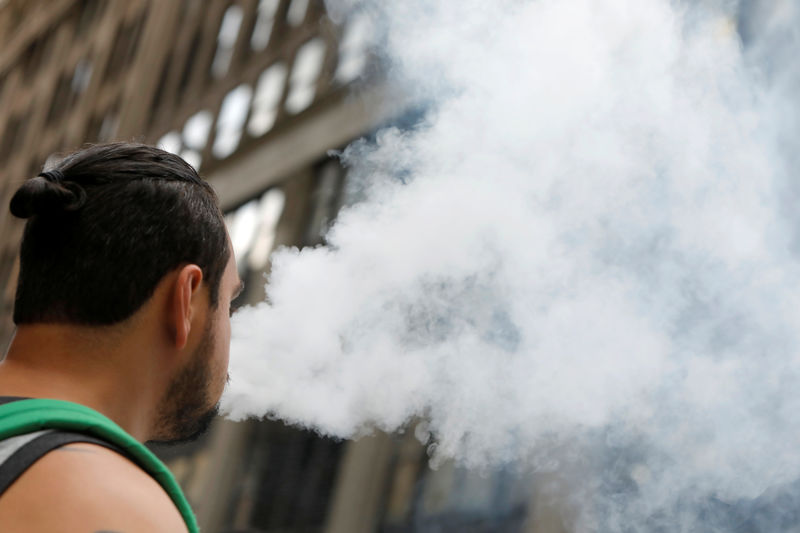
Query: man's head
[105,225]
[107,228]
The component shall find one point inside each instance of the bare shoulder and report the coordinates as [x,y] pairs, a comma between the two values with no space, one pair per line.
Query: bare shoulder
[87,488]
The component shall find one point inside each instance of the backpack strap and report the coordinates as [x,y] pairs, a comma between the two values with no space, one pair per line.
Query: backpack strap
[26,416]
[31,450]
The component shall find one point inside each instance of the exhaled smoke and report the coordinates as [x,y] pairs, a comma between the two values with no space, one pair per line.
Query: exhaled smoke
[583,258]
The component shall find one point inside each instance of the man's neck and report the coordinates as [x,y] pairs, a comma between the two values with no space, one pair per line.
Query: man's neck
[70,363]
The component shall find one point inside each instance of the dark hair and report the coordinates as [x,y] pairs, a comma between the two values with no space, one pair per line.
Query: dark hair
[106,224]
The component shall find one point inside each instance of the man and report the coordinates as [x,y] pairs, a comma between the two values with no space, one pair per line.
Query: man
[122,306]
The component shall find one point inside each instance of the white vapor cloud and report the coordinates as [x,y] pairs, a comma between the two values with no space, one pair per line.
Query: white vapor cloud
[586,249]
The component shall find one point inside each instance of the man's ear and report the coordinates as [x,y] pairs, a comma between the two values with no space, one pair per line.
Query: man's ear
[185,289]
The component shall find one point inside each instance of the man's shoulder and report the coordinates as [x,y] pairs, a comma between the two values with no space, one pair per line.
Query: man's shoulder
[87,487]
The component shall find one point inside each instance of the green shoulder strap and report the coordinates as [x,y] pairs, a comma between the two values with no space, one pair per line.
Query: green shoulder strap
[26,416]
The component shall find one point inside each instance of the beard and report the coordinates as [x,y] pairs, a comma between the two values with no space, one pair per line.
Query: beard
[186,410]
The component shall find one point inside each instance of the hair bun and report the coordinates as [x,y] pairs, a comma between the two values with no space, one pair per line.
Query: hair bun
[47,193]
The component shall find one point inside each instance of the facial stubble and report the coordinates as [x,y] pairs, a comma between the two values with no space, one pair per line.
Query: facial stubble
[186,411]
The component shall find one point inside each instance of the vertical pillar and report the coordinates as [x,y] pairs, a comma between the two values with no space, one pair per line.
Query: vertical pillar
[359,491]
[154,50]
[545,512]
